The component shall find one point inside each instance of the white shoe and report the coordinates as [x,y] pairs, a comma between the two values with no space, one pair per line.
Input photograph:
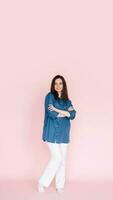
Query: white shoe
[60,189]
[41,188]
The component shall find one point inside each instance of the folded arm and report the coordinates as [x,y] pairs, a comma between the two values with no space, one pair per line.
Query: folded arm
[53,112]
[70,113]
[62,113]
[48,101]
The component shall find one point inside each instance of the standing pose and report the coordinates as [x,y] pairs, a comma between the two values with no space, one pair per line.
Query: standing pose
[56,133]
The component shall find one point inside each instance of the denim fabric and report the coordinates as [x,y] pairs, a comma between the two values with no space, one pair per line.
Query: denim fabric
[57,129]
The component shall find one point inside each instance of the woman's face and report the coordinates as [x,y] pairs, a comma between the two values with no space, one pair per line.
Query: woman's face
[58,85]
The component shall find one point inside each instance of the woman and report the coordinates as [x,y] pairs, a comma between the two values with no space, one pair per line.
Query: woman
[56,133]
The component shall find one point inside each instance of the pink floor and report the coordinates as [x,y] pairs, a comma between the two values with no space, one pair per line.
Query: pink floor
[26,190]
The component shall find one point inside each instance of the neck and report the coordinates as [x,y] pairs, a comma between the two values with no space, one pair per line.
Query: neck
[59,94]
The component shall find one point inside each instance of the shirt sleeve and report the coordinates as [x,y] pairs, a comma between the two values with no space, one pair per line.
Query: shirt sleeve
[71,110]
[50,113]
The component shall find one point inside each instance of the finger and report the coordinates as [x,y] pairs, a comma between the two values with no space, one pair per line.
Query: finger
[50,104]
[50,108]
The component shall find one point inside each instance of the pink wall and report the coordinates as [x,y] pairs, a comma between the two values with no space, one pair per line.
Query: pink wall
[40,39]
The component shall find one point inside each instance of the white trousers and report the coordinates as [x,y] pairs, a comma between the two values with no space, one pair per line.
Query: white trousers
[56,167]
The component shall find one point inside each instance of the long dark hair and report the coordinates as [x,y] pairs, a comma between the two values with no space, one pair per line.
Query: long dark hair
[64,93]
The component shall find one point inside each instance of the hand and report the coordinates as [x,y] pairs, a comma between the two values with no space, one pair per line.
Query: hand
[51,107]
[60,115]
[70,108]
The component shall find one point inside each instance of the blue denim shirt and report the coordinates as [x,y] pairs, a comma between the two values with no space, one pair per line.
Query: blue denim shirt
[57,129]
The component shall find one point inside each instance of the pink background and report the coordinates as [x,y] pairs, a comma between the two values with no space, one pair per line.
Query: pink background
[38,40]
